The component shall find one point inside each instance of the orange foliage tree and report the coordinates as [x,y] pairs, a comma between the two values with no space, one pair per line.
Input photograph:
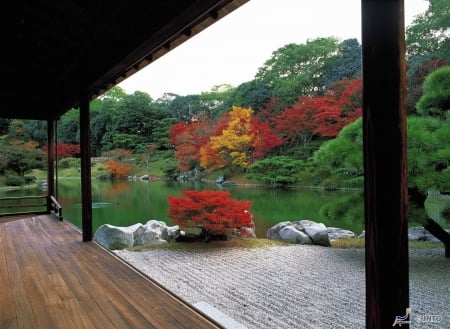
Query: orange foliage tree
[117,166]
[239,139]
[188,139]
[215,212]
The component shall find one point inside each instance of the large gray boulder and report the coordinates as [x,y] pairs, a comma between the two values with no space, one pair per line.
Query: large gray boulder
[336,233]
[115,237]
[300,232]
[153,232]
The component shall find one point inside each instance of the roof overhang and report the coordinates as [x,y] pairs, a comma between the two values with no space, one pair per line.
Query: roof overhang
[55,51]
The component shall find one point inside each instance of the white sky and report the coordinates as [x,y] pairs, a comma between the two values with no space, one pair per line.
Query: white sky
[232,50]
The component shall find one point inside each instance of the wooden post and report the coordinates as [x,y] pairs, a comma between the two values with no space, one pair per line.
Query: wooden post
[86,188]
[50,162]
[384,124]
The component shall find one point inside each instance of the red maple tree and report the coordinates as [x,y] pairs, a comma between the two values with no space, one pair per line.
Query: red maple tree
[64,150]
[187,140]
[215,212]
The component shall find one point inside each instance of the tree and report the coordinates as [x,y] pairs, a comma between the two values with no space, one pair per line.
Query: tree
[217,99]
[188,139]
[184,108]
[215,212]
[117,166]
[428,33]
[419,67]
[231,146]
[428,140]
[297,70]
[347,66]
[253,94]
[69,126]
[132,120]
[20,156]
[239,139]
[278,171]
[436,98]
[64,150]
[296,124]
[320,116]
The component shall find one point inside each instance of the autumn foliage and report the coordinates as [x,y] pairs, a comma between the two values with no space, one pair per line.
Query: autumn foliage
[241,136]
[239,140]
[213,211]
[117,169]
[64,150]
[117,166]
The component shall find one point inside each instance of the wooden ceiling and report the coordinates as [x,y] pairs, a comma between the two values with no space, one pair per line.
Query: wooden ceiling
[55,51]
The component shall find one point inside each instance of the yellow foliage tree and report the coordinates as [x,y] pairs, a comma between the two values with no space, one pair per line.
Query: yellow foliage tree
[233,146]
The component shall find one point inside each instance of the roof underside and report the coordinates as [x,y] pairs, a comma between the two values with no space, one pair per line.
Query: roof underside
[55,51]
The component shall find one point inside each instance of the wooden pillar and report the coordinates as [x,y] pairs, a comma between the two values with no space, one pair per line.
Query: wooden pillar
[384,124]
[50,162]
[86,188]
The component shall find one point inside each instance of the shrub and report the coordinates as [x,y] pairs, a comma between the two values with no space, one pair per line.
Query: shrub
[212,211]
[69,163]
[15,181]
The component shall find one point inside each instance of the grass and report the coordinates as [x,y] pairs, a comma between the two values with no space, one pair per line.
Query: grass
[360,243]
[232,243]
[262,243]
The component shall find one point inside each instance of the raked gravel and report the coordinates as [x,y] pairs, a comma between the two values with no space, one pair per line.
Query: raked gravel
[295,286]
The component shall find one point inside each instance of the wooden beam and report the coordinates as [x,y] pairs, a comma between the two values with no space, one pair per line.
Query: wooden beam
[384,124]
[86,188]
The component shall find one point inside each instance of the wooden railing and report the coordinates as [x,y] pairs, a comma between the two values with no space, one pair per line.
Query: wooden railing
[54,207]
[37,204]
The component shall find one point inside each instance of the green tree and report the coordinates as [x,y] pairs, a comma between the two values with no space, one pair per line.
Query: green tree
[20,156]
[297,69]
[340,161]
[184,108]
[278,171]
[254,94]
[217,100]
[435,100]
[428,33]
[69,126]
[347,65]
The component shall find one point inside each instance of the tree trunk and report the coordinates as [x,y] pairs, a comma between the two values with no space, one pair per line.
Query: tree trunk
[418,199]
[441,234]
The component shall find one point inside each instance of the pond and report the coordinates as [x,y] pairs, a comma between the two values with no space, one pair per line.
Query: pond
[124,203]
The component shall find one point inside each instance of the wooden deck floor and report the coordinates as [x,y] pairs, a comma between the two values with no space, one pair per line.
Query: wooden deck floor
[49,278]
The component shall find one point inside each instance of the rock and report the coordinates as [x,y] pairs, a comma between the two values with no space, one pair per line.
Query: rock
[335,233]
[115,237]
[153,232]
[417,234]
[220,179]
[300,232]
[144,177]
[291,234]
[247,232]
[318,232]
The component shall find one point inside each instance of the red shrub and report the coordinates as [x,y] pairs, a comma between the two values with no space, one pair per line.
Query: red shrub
[213,211]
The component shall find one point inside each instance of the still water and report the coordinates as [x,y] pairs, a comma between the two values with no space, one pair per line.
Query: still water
[124,203]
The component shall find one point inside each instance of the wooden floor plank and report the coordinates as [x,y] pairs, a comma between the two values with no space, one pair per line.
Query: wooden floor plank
[54,280]
[24,312]
[8,318]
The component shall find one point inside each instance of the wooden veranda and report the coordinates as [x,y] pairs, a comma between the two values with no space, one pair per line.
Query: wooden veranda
[49,279]
[64,54]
